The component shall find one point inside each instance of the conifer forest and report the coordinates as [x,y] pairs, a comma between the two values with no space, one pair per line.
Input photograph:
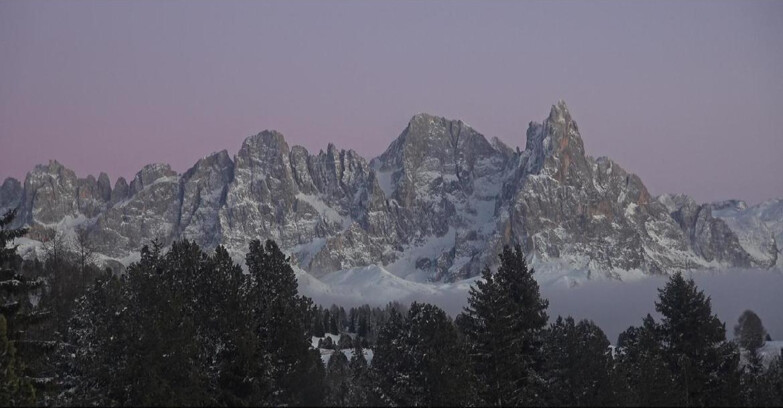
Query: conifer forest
[186,327]
[389,203]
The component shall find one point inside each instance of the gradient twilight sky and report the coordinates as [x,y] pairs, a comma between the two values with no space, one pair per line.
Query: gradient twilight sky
[689,95]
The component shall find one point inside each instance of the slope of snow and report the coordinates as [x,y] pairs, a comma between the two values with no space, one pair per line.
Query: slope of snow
[326,354]
[770,350]
[385,182]
[309,285]
[405,265]
[376,286]
[66,228]
[314,339]
[327,213]
[758,228]
[374,282]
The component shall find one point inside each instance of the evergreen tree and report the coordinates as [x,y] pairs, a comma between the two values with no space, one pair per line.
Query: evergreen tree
[352,321]
[153,342]
[337,380]
[749,331]
[441,370]
[641,375]
[326,343]
[773,383]
[345,342]
[317,322]
[363,329]
[359,386]
[18,316]
[7,236]
[423,364]
[229,351]
[14,287]
[327,321]
[754,390]
[312,390]
[503,325]
[703,364]
[85,255]
[342,319]
[578,364]
[186,328]
[15,389]
[388,365]
[333,326]
[280,320]
[93,374]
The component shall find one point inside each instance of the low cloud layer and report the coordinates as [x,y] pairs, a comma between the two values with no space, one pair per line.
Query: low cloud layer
[615,305]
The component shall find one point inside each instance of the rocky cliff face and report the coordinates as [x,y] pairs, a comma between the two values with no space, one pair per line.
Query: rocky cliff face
[11,194]
[149,211]
[203,191]
[438,204]
[443,180]
[759,229]
[562,204]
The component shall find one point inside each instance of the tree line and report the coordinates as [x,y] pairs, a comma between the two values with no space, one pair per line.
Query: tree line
[188,327]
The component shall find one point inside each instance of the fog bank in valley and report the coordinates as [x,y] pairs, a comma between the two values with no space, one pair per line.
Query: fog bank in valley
[616,305]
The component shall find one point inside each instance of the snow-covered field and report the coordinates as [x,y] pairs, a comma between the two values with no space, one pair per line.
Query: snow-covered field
[770,350]
[326,354]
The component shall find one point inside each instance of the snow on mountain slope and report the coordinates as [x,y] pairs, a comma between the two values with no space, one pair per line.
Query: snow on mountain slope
[770,350]
[377,286]
[437,206]
[758,228]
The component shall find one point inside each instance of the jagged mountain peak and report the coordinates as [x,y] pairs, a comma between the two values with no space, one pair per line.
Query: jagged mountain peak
[104,184]
[424,116]
[220,158]
[427,125]
[267,138]
[729,205]
[53,167]
[120,190]
[152,172]
[331,148]
[10,194]
[11,183]
[556,144]
[439,203]
[433,140]
[440,129]
[267,134]
[559,112]
[267,151]
[149,174]
[675,201]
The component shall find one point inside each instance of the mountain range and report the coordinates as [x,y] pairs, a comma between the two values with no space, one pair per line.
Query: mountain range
[437,206]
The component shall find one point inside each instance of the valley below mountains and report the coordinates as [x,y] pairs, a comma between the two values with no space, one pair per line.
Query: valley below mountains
[437,206]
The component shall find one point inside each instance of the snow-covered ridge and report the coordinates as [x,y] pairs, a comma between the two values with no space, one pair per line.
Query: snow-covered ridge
[759,228]
[437,206]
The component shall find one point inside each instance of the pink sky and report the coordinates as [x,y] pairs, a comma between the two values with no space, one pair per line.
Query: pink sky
[686,94]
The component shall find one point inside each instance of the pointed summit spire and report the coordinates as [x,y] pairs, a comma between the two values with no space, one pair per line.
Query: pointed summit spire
[559,112]
[266,137]
[557,138]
